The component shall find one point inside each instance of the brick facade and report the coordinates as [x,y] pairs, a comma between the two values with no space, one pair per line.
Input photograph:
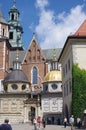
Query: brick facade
[35,58]
[4,58]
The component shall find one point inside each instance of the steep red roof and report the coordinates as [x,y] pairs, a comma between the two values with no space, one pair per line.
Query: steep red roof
[82,30]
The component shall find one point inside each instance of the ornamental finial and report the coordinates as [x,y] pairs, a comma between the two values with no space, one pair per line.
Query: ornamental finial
[14,2]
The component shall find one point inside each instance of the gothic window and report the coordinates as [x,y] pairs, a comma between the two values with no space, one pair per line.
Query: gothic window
[35,75]
[11,35]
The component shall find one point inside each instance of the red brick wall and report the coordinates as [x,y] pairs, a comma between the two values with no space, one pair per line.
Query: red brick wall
[4,59]
[34,57]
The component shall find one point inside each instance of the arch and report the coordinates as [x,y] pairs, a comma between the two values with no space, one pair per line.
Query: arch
[31,113]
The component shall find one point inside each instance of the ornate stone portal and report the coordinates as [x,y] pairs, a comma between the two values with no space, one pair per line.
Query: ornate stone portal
[17,108]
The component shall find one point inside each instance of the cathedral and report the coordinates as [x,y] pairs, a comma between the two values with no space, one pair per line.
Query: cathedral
[30,80]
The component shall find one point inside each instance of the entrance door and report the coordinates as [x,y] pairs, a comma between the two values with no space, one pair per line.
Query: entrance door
[32,113]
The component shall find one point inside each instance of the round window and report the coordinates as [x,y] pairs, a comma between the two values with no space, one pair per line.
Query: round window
[14,86]
[23,87]
[54,86]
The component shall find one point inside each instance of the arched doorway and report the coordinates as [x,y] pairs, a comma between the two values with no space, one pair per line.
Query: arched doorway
[32,114]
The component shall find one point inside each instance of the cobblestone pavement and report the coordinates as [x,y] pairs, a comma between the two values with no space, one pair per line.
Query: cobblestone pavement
[31,127]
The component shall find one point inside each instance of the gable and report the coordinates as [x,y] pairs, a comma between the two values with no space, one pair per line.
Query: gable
[34,53]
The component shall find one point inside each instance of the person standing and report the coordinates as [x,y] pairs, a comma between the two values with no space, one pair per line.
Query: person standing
[35,124]
[65,122]
[5,125]
[71,121]
[38,121]
[44,122]
[78,122]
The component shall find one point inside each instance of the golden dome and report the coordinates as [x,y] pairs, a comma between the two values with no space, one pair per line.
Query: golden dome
[54,75]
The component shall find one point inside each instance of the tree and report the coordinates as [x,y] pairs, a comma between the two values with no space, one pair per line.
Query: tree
[78,91]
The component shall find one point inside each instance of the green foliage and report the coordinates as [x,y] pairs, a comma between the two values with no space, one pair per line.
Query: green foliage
[78,91]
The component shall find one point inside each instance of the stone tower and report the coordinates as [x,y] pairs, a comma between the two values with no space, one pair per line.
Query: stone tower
[15,28]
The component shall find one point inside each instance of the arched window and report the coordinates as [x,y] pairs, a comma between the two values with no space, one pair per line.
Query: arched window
[34,75]
[12,16]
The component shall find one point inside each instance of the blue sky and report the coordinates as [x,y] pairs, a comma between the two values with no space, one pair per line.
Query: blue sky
[51,20]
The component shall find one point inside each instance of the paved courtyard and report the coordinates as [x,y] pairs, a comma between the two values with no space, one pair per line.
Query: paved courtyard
[31,127]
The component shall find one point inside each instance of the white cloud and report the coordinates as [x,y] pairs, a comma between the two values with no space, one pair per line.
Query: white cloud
[53,30]
[41,3]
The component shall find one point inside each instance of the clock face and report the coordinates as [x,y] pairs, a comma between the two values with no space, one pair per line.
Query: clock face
[54,86]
